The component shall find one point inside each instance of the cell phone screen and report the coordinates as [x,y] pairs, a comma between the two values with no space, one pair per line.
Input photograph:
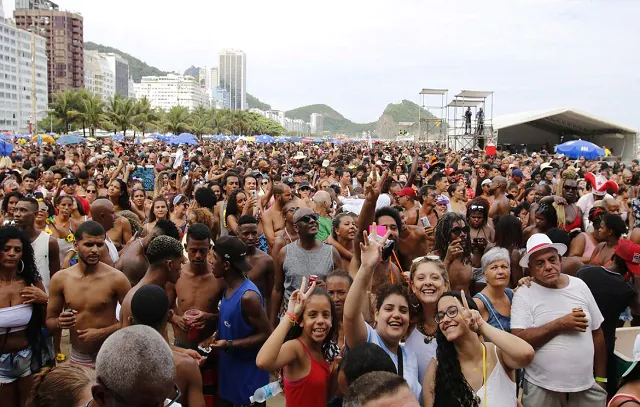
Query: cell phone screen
[380,231]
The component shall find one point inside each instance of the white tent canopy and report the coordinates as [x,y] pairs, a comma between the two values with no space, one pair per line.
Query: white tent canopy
[543,128]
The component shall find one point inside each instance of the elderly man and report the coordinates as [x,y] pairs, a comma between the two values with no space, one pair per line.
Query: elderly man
[149,378]
[559,317]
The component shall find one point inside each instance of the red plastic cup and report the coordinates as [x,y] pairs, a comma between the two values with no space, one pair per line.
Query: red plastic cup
[190,316]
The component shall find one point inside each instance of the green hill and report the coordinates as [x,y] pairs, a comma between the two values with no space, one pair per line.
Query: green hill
[254,102]
[137,68]
[333,121]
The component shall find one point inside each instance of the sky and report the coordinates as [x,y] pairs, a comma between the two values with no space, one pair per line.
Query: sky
[357,56]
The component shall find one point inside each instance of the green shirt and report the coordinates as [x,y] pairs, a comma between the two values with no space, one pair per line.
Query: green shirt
[324,229]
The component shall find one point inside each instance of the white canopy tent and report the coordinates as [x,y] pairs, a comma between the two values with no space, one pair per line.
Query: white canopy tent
[546,128]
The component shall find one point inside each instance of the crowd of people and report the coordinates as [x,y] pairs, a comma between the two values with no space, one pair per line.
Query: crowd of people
[355,274]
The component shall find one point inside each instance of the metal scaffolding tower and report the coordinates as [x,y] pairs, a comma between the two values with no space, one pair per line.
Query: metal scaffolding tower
[434,124]
[470,120]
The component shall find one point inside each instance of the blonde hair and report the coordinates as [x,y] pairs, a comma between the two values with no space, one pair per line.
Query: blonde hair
[567,174]
[435,260]
[61,386]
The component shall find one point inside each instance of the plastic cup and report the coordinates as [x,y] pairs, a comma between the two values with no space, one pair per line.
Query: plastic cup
[190,316]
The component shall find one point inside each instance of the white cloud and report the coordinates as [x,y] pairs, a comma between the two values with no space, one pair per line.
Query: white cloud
[358,55]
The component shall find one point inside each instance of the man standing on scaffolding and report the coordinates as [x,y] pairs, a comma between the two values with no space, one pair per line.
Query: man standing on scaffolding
[467,121]
[480,122]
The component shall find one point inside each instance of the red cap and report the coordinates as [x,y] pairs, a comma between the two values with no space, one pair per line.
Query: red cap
[408,191]
[630,253]
[449,171]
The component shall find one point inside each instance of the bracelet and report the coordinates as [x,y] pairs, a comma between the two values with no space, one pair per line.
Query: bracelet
[292,318]
[601,379]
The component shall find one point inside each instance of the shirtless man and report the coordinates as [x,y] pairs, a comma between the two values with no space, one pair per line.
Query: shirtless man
[165,261]
[288,234]
[406,198]
[102,211]
[84,297]
[133,262]
[500,205]
[230,183]
[197,288]
[412,241]
[273,219]
[150,306]
[427,196]
[261,273]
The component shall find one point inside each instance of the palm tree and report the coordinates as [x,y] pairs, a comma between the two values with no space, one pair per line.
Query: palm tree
[176,120]
[200,121]
[63,107]
[121,113]
[144,115]
[219,121]
[91,113]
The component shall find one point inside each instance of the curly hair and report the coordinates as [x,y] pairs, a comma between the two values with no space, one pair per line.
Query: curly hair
[5,200]
[204,216]
[335,223]
[163,247]
[443,235]
[30,275]
[133,219]
[451,387]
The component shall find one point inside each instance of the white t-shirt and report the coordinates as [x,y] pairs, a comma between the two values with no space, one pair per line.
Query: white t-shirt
[565,363]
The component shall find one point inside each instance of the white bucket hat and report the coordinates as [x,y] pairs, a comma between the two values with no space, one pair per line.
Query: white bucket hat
[299,156]
[538,242]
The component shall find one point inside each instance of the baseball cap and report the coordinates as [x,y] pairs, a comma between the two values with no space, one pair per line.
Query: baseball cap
[70,181]
[630,253]
[234,251]
[449,171]
[301,213]
[517,173]
[408,191]
[288,180]
[305,185]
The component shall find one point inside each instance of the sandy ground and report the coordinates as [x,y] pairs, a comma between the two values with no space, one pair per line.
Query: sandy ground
[277,401]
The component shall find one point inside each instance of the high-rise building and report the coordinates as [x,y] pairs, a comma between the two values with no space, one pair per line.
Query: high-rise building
[120,68]
[99,78]
[1,10]
[36,5]
[233,77]
[65,42]
[317,124]
[168,91]
[15,78]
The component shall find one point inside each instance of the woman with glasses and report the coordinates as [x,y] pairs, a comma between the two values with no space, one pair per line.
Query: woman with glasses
[468,371]
[392,304]
[92,191]
[453,247]
[101,184]
[23,347]
[494,301]
[428,280]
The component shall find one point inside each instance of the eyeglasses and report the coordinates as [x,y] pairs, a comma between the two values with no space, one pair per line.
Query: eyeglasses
[121,403]
[91,191]
[451,312]
[308,218]
[458,230]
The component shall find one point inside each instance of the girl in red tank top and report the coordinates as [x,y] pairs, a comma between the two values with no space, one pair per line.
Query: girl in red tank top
[300,345]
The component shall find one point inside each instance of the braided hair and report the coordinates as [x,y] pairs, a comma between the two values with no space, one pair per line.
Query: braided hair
[443,235]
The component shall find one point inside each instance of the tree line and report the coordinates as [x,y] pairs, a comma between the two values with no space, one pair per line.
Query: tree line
[81,110]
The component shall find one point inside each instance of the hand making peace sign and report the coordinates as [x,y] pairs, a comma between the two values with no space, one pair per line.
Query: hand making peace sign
[471,317]
[300,297]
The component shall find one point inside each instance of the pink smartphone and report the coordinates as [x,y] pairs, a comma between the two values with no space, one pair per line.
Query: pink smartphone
[380,231]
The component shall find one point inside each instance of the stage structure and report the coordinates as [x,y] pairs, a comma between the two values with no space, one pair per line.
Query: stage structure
[433,127]
[476,131]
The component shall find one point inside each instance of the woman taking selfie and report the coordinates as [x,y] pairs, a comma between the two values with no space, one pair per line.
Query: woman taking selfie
[391,313]
[468,371]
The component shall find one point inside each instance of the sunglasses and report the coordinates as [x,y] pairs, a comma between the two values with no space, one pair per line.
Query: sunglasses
[427,258]
[308,218]
[476,208]
[451,312]
[91,191]
[458,230]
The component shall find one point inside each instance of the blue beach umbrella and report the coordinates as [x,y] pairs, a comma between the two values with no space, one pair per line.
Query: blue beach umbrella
[580,148]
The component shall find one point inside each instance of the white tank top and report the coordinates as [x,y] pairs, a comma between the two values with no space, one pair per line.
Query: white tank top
[113,252]
[501,390]
[41,253]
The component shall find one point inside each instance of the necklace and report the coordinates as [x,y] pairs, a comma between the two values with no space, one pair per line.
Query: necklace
[428,337]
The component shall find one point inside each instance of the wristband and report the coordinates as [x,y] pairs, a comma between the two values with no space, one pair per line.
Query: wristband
[601,379]
[292,318]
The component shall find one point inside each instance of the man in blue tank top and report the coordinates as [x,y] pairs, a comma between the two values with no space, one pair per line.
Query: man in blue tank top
[243,325]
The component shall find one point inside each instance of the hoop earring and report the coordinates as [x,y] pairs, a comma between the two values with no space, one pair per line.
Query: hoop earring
[22,268]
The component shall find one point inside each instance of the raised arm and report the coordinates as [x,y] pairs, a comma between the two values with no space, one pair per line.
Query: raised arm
[355,327]
[278,287]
